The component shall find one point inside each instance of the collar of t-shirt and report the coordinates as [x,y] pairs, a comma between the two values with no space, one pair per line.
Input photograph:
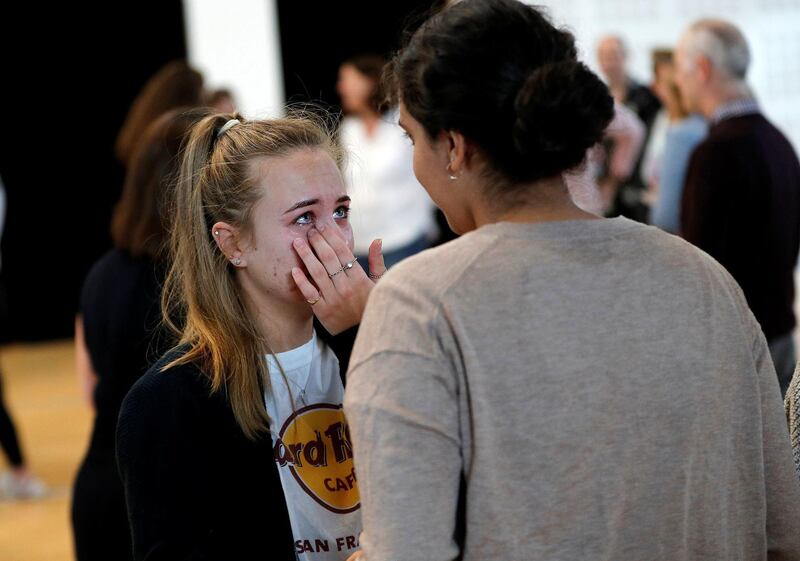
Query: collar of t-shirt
[296,364]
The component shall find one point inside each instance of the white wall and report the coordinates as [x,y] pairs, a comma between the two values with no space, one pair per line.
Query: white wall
[772,28]
[236,45]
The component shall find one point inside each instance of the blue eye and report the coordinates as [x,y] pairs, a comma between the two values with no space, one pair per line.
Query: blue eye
[341,212]
[304,218]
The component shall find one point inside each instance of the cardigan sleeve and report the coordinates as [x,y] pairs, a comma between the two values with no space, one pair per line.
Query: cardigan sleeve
[160,454]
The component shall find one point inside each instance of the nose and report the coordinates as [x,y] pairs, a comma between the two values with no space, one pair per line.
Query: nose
[330,224]
[343,230]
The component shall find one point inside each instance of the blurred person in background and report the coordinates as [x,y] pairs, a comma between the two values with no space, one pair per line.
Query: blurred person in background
[674,138]
[651,156]
[117,336]
[612,55]
[741,198]
[221,100]
[18,482]
[390,203]
[174,85]
[626,133]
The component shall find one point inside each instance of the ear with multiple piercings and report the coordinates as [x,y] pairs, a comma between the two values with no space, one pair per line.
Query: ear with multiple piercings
[236,261]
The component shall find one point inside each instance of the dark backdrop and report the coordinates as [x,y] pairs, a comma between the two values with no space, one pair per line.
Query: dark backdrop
[70,79]
[70,73]
[316,41]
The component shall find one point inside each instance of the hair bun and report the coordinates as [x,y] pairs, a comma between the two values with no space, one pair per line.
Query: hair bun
[561,110]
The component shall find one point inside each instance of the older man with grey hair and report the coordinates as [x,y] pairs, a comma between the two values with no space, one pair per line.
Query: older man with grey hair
[741,200]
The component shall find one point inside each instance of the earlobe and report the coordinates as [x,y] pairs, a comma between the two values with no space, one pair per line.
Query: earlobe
[457,155]
[450,173]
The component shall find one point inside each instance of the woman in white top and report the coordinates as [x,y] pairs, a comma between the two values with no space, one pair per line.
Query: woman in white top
[390,202]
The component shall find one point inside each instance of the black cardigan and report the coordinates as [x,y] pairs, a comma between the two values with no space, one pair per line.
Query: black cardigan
[196,488]
[741,204]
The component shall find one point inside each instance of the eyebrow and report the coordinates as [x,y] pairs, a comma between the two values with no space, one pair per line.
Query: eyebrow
[311,202]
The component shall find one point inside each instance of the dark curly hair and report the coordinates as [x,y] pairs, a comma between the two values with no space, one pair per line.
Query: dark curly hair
[502,75]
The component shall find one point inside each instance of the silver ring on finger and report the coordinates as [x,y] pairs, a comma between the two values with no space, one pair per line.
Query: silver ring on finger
[349,265]
[331,275]
[375,277]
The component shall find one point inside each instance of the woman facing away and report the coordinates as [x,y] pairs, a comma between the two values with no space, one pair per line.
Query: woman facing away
[554,385]
[234,446]
[116,331]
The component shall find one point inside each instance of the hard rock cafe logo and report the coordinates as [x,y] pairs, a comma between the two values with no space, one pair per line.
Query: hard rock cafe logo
[315,443]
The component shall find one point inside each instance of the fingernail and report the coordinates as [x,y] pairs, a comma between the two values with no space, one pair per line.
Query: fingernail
[298,242]
[380,244]
[313,232]
[321,227]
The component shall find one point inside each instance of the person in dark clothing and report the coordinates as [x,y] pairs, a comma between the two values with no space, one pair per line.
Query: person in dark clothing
[741,200]
[230,446]
[8,435]
[18,482]
[117,335]
[612,55]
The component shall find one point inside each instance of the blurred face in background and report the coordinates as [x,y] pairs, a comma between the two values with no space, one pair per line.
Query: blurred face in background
[665,88]
[355,89]
[611,57]
[224,105]
[687,78]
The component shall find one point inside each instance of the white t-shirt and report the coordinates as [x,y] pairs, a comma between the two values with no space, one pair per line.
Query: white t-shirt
[311,441]
[388,201]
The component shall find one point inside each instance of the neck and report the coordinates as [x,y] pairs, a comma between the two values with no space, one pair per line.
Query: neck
[545,201]
[370,120]
[283,325]
[619,88]
[284,332]
[722,94]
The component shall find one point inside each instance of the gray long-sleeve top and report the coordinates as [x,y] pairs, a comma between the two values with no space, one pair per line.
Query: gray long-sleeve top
[600,385]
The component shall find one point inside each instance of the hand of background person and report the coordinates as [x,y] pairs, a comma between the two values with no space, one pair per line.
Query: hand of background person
[338,288]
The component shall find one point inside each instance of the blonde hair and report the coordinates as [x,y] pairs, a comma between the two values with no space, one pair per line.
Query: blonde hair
[217,184]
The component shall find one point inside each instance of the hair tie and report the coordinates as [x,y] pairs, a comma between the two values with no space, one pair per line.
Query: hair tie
[227,126]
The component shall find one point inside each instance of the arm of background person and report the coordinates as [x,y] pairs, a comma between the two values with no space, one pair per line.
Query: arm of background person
[87,377]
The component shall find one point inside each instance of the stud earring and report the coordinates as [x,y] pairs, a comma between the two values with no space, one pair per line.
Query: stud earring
[237,261]
[450,172]
[216,232]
